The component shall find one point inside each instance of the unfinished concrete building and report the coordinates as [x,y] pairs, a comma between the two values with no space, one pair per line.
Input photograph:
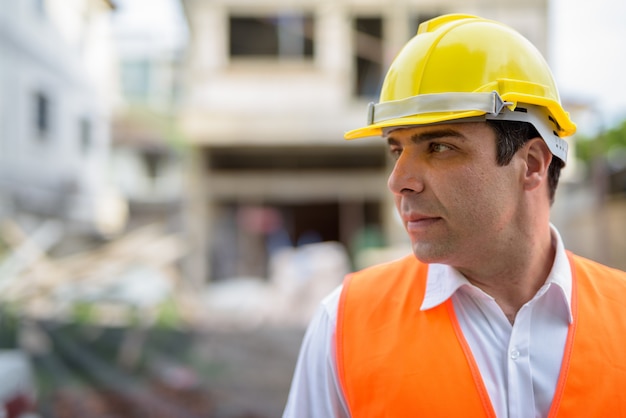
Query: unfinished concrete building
[271,87]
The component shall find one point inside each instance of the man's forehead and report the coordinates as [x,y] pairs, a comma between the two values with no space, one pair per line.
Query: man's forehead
[413,130]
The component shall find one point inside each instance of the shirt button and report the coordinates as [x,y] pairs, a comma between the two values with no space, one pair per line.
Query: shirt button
[514,354]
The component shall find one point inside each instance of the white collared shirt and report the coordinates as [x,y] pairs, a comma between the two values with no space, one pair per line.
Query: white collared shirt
[519,363]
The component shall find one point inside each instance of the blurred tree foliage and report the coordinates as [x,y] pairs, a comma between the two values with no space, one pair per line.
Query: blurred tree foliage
[610,144]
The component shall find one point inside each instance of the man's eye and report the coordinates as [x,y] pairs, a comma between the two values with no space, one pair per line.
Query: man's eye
[395,153]
[438,147]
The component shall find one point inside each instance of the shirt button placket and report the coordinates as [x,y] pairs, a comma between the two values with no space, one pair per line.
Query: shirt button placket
[520,395]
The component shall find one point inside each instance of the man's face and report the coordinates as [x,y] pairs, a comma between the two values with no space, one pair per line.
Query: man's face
[457,205]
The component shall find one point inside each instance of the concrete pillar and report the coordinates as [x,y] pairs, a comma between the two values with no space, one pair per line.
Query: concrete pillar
[198,219]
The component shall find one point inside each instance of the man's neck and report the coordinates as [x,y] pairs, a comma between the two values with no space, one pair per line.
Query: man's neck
[517,278]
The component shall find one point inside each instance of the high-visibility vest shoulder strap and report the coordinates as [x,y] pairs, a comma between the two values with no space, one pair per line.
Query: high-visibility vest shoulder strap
[395,360]
[593,372]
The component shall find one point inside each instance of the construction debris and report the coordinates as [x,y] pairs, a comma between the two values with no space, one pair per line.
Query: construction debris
[127,277]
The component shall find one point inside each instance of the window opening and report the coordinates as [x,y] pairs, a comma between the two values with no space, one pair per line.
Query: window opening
[368,59]
[283,35]
[42,115]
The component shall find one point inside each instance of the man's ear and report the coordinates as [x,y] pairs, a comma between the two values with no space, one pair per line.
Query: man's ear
[537,158]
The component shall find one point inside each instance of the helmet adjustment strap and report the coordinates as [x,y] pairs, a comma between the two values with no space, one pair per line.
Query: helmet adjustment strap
[434,103]
[490,103]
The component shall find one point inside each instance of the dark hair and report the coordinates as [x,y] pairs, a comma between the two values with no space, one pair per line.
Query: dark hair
[511,136]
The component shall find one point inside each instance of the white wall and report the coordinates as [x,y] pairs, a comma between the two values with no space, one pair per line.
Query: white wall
[65,53]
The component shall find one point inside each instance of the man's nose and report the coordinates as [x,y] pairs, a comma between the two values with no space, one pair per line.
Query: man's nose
[406,176]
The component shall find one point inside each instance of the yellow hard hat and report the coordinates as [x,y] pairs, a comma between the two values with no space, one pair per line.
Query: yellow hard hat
[463,66]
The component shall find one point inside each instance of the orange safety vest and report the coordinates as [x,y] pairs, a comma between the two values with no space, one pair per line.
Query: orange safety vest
[397,361]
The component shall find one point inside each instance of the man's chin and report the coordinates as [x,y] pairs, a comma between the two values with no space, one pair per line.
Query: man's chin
[429,254]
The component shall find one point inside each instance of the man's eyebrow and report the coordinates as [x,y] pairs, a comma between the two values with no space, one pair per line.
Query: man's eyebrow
[429,136]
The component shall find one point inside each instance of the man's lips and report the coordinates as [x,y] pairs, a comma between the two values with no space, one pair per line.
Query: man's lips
[416,221]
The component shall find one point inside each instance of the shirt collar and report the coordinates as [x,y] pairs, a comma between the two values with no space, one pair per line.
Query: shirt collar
[443,281]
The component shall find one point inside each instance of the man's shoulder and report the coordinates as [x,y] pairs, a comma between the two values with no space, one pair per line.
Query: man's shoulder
[595,268]
[598,280]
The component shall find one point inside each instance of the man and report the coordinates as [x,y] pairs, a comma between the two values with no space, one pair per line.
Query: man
[490,316]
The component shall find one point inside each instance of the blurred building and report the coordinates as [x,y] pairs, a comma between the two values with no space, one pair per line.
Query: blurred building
[147,151]
[56,79]
[271,87]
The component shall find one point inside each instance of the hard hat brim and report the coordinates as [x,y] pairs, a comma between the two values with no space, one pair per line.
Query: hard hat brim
[376,129]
